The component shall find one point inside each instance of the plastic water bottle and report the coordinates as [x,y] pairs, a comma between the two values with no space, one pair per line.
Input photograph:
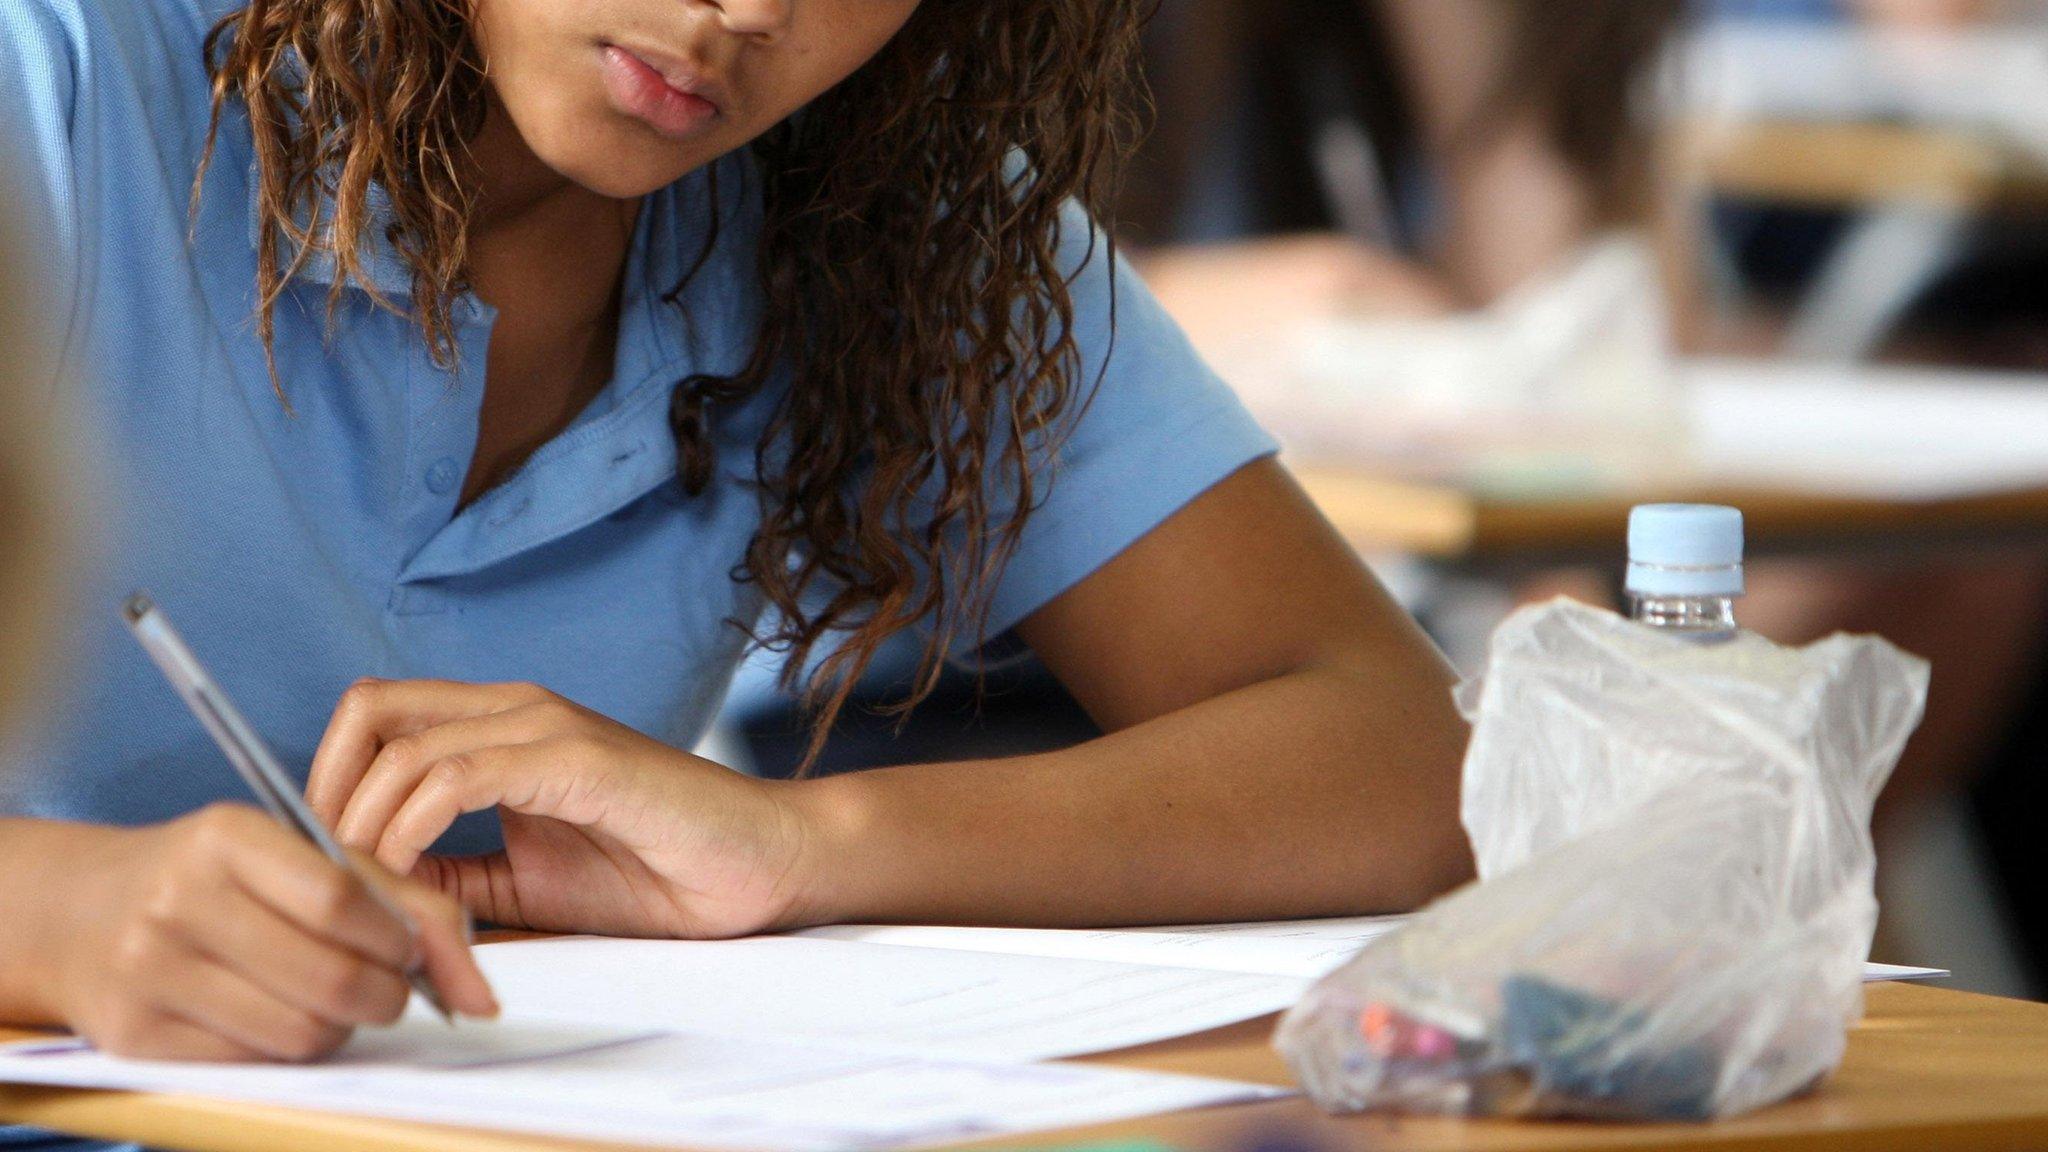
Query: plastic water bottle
[1685,568]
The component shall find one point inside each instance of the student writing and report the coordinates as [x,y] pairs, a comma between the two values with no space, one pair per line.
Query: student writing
[520,356]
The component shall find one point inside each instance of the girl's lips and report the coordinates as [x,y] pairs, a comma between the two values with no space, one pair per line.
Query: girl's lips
[639,91]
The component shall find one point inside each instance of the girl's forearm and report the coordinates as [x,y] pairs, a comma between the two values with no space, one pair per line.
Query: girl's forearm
[1325,791]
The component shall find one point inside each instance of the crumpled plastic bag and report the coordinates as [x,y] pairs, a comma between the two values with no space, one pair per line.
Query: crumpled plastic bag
[1676,883]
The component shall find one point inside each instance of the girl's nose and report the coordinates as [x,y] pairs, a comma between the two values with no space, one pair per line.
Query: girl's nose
[756,17]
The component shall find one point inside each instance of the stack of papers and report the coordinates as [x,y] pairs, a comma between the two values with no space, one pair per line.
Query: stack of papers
[845,1037]
[979,994]
[679,1090]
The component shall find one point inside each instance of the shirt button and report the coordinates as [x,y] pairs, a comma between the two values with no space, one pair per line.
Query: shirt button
[443,475]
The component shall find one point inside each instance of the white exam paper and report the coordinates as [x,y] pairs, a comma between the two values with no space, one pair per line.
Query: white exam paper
[1318,947]
[927,1002]
[821,1041]
[1307,949]
[999,994]
[1874,973]
[1304,949]
[419,1041]
[697,1091]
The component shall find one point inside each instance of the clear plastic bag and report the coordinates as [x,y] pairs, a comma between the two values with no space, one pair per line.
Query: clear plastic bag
[1676,895]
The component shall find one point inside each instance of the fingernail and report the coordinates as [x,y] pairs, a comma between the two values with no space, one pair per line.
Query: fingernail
[490,1008]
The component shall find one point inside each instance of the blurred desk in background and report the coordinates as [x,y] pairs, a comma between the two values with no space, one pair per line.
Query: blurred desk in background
[1917,192]
[1469,529]
[1920,135]
[1986,79]
[1849,115]
[1821,460]
[1866,165]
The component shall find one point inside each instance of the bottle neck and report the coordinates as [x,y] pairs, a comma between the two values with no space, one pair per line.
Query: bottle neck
[1698,617]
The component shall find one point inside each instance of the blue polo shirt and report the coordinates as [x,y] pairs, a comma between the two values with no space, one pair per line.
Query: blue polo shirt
[304,542]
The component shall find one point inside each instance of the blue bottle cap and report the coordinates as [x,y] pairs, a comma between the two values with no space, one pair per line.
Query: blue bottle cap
[1684,550]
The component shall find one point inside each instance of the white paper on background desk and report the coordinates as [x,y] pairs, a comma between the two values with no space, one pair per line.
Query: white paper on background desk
[1859,431]
[1987,80]
[945,1002]
[699,1091]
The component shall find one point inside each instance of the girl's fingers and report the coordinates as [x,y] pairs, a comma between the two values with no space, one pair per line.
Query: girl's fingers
[541,778]
[374,712]
[167,1037]
[332,983]
[396,770]
[445,948]
[228,1005]
[484,885]
[294,880]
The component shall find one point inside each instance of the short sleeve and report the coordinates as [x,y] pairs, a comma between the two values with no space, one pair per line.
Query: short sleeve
[1159,429]
[38,162]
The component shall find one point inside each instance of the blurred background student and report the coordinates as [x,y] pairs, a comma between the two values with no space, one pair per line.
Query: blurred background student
[1389,156]
[32,535]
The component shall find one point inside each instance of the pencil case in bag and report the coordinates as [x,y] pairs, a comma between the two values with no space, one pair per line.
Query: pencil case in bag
[1675,898]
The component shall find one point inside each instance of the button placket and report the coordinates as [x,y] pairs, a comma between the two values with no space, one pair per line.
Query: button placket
[443,475]
[443,411]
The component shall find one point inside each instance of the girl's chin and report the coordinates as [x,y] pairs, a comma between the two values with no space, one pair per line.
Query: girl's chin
[620,166]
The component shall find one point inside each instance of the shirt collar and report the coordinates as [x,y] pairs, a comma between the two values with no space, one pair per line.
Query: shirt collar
[673,225]
[383,270]
[621,446]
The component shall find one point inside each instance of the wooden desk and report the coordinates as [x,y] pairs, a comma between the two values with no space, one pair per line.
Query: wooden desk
[1927,1068]
[1895,459]
[1471,528]
[1914,190]
[1858,165]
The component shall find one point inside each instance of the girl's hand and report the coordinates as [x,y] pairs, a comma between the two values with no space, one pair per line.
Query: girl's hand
[605,829]
[223,936]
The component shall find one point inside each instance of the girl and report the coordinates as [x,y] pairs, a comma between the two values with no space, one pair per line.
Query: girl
[522,354]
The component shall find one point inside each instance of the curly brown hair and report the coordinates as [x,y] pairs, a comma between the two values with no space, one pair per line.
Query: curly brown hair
[910,259]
